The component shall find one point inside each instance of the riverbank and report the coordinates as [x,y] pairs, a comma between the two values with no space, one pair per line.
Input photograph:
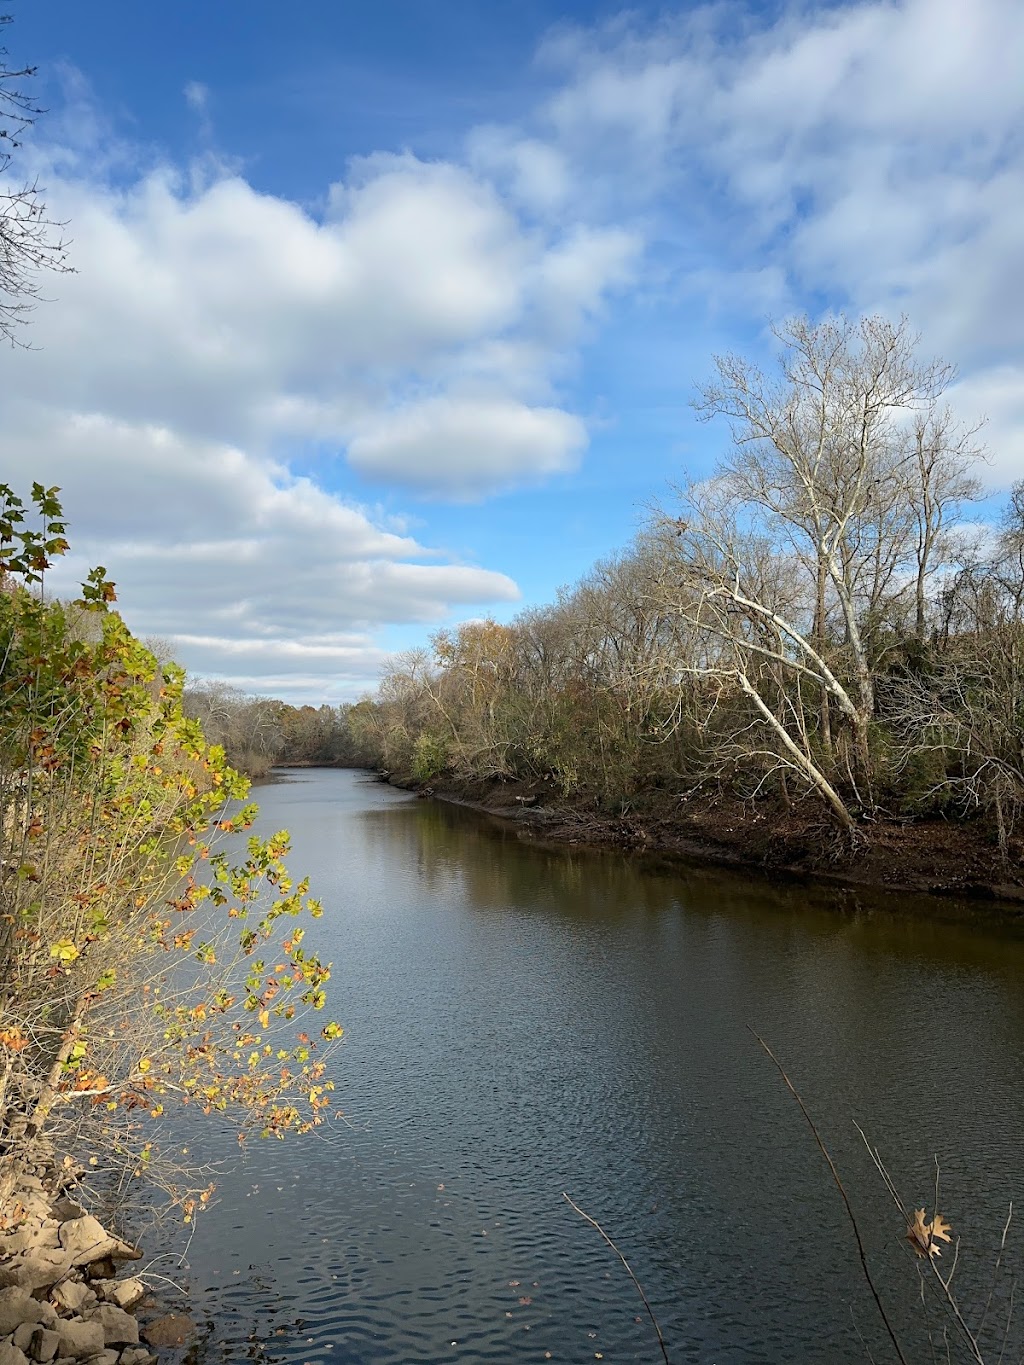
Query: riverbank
[62,1296]
[934,857]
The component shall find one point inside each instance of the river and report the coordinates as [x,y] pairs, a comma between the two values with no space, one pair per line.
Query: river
[522,1021]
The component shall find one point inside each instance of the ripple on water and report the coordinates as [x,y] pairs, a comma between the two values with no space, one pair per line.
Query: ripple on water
[521,1022]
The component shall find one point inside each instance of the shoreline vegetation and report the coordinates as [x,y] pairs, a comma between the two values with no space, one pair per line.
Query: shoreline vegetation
[142,968]
[810,661]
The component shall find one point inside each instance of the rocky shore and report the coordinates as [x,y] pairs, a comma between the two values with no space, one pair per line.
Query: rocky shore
[64,1296]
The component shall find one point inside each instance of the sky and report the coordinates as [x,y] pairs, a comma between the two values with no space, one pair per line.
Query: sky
[390,316]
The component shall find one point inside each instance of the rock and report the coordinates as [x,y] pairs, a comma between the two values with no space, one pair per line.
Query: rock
[37,1271]
[137,1355]
[65,1208]
[86,1240]
[17,1306]
[44,1346]
[102,1270]
[170,1330]
[104,1358]
[23,1335]
[125,1293]
[80,1339]
[119,1327]
[71,1295]
[10,1355]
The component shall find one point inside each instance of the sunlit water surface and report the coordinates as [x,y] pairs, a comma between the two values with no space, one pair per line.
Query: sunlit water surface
[522,1021]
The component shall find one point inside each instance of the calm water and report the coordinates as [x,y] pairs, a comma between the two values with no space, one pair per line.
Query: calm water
[524,1021]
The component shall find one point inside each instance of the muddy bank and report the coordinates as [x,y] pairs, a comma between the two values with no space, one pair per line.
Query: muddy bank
[936,857]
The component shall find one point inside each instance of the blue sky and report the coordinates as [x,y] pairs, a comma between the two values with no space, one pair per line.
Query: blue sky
[388,316]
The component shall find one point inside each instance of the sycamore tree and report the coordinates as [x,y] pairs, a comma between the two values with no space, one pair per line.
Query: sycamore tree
[31,242]
[148,956]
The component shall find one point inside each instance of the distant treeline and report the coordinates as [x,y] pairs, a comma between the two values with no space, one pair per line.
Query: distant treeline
[820,621]
[257,732]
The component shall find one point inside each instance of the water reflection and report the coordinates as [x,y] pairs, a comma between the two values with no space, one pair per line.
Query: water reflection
[523,1020]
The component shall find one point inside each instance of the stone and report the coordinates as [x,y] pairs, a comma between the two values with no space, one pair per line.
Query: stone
[86,1240]
[104,1358]
[37,1271]
[44,1345]
[125,1293]
[102,1270]
[23,1335]
[80,1339]
[11,1355]
[137,1355]
[17,1306]
[170,1330]
[65,1208]
[119,1327]
[72,1295]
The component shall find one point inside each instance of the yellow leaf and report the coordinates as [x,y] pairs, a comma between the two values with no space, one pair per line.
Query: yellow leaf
[264,1018]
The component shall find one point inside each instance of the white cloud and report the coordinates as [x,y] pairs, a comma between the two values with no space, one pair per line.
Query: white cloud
[464,445]
[247,569]
[996,396]
[871,151]
[213,335]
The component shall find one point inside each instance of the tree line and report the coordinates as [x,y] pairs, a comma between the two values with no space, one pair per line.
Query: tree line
[256,731]
[819,621]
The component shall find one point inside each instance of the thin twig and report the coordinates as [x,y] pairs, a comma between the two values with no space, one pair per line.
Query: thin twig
[843,1195]
[947,1295]
[995,1268]
[639,1287]
[1009,1319]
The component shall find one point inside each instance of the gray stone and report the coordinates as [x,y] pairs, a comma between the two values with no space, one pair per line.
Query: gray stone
[80,1339]
[125,1293]
[45,1345]
[119,1327]
[71,1295]
[17,1306]
[136,1355]
[65,1208]
[23,1335]
[86,1239]
[37,1271]
[10,1355]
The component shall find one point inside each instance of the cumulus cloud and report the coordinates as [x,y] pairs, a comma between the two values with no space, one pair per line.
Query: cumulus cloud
[248,570]
[465,444]
[213,336]
[870,152]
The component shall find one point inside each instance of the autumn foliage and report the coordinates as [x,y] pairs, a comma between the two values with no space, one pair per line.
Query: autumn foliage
[151,955]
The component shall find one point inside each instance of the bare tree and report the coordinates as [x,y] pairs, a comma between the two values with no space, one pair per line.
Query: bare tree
[821,530]
[31,242]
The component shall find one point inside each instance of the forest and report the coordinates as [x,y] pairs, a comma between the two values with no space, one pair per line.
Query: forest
[826,625]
